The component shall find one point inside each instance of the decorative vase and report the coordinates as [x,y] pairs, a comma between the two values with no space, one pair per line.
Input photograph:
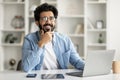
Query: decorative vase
[17,22]
[100,40]
[12,63]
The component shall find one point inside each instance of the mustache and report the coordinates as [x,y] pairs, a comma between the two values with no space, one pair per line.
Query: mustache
[48,25]
[40,27]
[51,25]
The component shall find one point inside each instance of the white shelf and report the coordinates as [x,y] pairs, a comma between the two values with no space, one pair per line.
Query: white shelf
[12,30]
[12,44]
[52,2]
[97,2]
[72,16]
[12,2]
[8,10]
[76,35]
[96,30]
[97,44]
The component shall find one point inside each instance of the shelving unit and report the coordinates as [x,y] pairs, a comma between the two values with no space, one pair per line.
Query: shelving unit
[10,37]
[96,10]
[73,15]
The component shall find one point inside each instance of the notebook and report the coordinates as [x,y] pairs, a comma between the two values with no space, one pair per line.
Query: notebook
[98,62]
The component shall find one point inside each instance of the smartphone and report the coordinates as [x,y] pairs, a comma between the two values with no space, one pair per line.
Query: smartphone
[31,75]
[52,76]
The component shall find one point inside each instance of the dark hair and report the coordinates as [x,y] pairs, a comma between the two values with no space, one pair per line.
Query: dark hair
[44,7]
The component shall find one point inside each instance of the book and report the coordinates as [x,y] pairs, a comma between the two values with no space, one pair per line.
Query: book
[79,29]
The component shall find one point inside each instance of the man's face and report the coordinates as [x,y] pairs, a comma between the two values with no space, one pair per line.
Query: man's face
[47,21]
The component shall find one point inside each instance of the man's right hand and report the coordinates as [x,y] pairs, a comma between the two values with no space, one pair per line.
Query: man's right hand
[45,38]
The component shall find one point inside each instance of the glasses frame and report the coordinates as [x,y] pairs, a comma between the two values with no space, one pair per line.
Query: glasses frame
[45,18]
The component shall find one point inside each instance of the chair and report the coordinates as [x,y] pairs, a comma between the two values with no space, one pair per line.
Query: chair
[19,68]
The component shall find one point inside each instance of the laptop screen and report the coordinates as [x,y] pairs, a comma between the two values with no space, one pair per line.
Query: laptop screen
[97,62]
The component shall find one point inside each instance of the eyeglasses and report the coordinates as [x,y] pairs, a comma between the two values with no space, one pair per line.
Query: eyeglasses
[51,18]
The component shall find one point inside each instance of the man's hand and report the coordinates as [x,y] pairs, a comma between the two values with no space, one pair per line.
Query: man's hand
[45,38]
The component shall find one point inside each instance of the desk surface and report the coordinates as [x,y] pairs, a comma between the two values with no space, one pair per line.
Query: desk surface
[18,75]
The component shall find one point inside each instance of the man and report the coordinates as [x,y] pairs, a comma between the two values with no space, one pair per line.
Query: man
[46,49]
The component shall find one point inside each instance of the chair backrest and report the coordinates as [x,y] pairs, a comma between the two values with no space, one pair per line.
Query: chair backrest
[19,68]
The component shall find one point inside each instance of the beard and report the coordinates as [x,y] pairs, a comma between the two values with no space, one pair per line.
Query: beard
[47,27]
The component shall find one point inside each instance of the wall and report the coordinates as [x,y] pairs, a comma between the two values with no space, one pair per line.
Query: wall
[114,27]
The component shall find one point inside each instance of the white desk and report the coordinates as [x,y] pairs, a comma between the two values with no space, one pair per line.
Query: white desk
[17,75]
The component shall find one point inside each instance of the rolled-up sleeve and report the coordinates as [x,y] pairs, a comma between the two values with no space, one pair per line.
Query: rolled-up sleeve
[75,59]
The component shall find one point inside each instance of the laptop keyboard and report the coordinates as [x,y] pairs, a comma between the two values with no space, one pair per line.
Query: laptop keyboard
[78,74]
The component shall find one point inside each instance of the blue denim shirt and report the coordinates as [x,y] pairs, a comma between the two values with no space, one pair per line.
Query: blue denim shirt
[32,54]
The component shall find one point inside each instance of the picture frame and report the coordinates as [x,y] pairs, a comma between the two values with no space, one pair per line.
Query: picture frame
[99,24]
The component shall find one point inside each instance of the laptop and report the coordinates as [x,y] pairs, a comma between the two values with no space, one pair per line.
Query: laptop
[98,62]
